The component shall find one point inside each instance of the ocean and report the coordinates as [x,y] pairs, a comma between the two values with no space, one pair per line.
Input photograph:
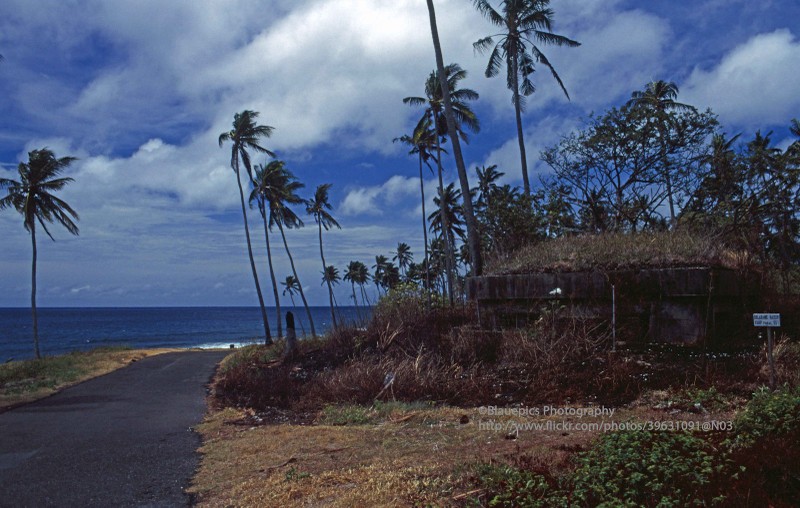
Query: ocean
[62,330]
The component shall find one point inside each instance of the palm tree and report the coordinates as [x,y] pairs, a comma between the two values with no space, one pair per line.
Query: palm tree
[472,225]
[245,135]
[318,206]
[33,197]
[262,193]
[453,212]
[404,257]
[524,23]
[283,188]
[658,99]
[380,266]
[356,274]
[422,142]
[291,286]
[361,278]
[330,276]
[434,100]
[487,184]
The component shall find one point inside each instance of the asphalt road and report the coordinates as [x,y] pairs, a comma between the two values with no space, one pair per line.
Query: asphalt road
[123,439]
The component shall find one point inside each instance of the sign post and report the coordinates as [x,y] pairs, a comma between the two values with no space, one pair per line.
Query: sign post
[769,321]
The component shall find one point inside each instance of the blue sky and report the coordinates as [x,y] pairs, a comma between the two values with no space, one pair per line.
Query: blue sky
[139,91]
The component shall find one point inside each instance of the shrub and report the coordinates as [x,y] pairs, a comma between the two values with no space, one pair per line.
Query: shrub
[766,447]
[768,414]
[507,486]
[642,468]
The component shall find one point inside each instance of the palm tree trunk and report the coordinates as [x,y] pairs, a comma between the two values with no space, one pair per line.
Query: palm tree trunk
[526,185]
[355,301]
[364,299]
[33,295]
[272,271]
[424,232]
[267,334]
[298,319]
[324,267]
[469,213]
[667,178]
[299,284]
[448,263]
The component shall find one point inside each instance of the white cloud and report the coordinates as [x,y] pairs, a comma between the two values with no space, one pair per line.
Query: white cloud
[754,85]
[374,200]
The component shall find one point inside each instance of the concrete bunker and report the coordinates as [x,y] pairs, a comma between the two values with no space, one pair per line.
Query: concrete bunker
[696,306]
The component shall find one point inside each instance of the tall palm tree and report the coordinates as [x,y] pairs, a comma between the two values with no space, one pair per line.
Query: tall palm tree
[422,142]
[291,286]
[472,225]
[658,99]
[464,116]
[283,188]
[33,197]
[524,23]
[404,257]
[263,192]
[244,136]
[318,206]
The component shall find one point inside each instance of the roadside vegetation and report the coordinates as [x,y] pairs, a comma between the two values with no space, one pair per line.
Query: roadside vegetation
[27,380]
[390,415]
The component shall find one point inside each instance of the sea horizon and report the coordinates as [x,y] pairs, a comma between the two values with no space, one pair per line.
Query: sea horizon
[66,329]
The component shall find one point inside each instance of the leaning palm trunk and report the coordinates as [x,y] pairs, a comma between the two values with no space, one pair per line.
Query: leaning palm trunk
[448,263]
[469,214]
[267,334]
[271,270]
[299,285]
[33,295]
[324,267]
[425,233]
[364,299]
[520,135]
[355,302]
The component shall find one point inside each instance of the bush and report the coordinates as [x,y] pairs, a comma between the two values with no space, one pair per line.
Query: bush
[507,486]
[766,447]
[768,414]
[642,468]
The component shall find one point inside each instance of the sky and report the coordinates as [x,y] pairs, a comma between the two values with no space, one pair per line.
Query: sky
[139,91]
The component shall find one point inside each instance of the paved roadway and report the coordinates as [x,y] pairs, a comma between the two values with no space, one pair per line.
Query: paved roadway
[123,439]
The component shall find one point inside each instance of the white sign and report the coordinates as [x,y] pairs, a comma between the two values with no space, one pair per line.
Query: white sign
[770,320]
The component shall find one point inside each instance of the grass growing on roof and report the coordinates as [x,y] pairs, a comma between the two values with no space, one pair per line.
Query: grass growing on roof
[615,251]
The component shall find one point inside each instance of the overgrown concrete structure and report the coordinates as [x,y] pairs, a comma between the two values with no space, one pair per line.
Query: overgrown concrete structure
[699,306]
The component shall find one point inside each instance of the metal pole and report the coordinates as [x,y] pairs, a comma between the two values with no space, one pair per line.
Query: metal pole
[770,358]
[613,318]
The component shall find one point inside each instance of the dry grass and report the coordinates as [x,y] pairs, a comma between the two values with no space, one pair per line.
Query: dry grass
[28,380]
[408,457]
[617,251]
